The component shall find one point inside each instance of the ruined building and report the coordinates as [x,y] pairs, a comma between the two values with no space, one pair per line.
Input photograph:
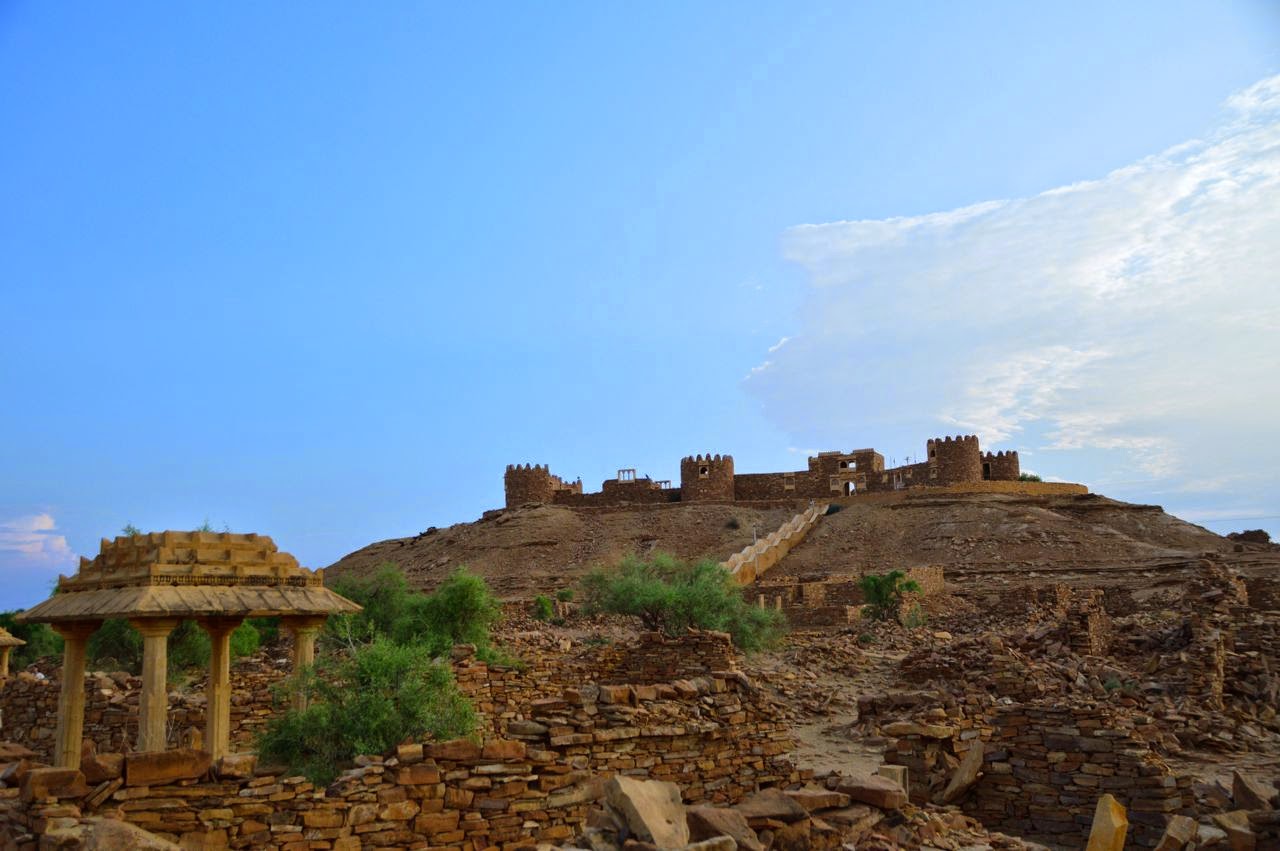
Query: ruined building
[711,478]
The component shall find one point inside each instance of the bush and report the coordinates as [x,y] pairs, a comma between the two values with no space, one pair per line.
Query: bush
[1028,477]
[884,593]
[543,608]
[564,595]
[461,611]
[366,703]
[672,596]
[41,640]
[117,646]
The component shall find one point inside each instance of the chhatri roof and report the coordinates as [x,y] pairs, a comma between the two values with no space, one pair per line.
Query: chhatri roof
[8,640]
[188,574]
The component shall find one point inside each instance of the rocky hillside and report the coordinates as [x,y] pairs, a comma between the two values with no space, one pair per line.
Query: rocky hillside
[538,549]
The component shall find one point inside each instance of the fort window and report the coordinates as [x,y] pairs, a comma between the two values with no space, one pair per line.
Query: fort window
[986,471]
[788,481]
[628,475]
[703,472]
[834,484]
[933,453]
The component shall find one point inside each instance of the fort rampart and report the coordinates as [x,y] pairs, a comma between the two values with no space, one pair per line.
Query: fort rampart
[950,462]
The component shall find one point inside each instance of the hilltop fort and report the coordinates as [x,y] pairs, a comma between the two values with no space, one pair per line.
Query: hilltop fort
[711,478]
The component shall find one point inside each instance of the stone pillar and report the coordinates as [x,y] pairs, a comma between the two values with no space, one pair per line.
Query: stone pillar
[153,703]
[304,630]
[4,661]
[75,641]
[217,725]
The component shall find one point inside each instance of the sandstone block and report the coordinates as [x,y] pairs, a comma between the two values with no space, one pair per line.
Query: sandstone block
[156,768]
[771,804]
[709,822]
[1110,824]
[652,809]
[818,799]
[1239,832]
[874,790]
[1249,794]
[238,766]
[53,783]
[1180,831]
[966,774]
[99,767]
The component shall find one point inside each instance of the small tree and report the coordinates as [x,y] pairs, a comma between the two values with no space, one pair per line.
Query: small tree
[884,593]
[461,611]
[671,596]
[1028,477]
[543,609]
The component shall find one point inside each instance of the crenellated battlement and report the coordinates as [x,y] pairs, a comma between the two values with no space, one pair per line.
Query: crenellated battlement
[710,477]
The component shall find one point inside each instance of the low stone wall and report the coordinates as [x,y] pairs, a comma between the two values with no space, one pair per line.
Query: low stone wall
[717,737]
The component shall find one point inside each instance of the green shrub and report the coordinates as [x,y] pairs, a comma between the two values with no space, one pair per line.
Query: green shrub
[268,629]
[130,530]
[543,608]
[41,640]
[461,611]
[884,593]
[245,640]
[117,646]
[915,618]
[671,596]
[366,703]
[564,595]
[1028,477]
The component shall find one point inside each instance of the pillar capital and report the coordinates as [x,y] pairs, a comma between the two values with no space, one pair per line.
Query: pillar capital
[303,623]
[76,630]
[154,626]
[219,625]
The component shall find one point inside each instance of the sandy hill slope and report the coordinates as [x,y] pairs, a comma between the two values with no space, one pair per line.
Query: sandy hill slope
[527,551]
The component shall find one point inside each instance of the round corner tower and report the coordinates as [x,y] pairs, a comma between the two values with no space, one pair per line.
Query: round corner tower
[954,460]
[706,478]
[528,483]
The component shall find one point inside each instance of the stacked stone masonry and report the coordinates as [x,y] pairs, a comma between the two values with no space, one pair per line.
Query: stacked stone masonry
[950,462]
[536,770]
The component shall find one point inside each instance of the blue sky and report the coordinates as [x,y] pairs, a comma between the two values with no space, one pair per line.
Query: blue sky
[321,271]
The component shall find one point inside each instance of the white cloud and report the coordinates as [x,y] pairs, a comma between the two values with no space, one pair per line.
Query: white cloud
[32,540]
[1134,316]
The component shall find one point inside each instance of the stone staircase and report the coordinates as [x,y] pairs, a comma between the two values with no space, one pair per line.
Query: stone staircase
[751,563]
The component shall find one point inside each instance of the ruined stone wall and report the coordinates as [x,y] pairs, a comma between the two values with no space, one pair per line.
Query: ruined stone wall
[836,600]
[717,738]
[1043,768]
[704,478]
[1047,766]
[29,710]
[1001,466]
